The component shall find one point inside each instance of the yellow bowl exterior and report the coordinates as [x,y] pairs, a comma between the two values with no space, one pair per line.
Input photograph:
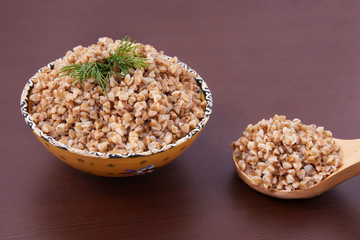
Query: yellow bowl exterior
[117,167]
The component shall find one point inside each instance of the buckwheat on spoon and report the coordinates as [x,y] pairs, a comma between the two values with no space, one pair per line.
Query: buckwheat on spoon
[288,159]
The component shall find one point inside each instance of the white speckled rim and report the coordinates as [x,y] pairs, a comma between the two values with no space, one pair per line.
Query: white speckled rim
[28,119]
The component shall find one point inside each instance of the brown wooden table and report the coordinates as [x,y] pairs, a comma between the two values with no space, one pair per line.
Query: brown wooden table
[298,58]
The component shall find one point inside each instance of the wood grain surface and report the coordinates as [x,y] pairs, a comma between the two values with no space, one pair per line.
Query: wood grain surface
[259,58]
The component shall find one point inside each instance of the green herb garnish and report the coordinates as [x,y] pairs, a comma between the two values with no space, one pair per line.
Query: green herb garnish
[119,62]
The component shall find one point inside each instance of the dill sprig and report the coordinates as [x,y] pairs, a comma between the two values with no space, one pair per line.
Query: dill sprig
[119,62]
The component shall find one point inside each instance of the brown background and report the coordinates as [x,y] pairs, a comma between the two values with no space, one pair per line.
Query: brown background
[298,58]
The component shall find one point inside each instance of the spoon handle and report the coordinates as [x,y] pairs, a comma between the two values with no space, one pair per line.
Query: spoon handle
[350,151]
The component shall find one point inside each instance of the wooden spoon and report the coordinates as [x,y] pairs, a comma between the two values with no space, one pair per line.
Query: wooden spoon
[350,153]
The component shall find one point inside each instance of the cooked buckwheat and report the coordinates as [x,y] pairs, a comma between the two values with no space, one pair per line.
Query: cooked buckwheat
[147,109]
[286,155]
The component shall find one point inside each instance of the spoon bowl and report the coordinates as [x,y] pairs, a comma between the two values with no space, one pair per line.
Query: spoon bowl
[350,153]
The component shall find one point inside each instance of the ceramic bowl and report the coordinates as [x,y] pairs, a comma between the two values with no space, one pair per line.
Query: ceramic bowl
[116,165]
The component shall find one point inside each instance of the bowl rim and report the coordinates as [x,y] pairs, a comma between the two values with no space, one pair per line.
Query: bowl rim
[28,119]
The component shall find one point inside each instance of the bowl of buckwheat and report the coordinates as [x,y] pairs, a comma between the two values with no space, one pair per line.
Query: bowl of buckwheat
[116,108]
